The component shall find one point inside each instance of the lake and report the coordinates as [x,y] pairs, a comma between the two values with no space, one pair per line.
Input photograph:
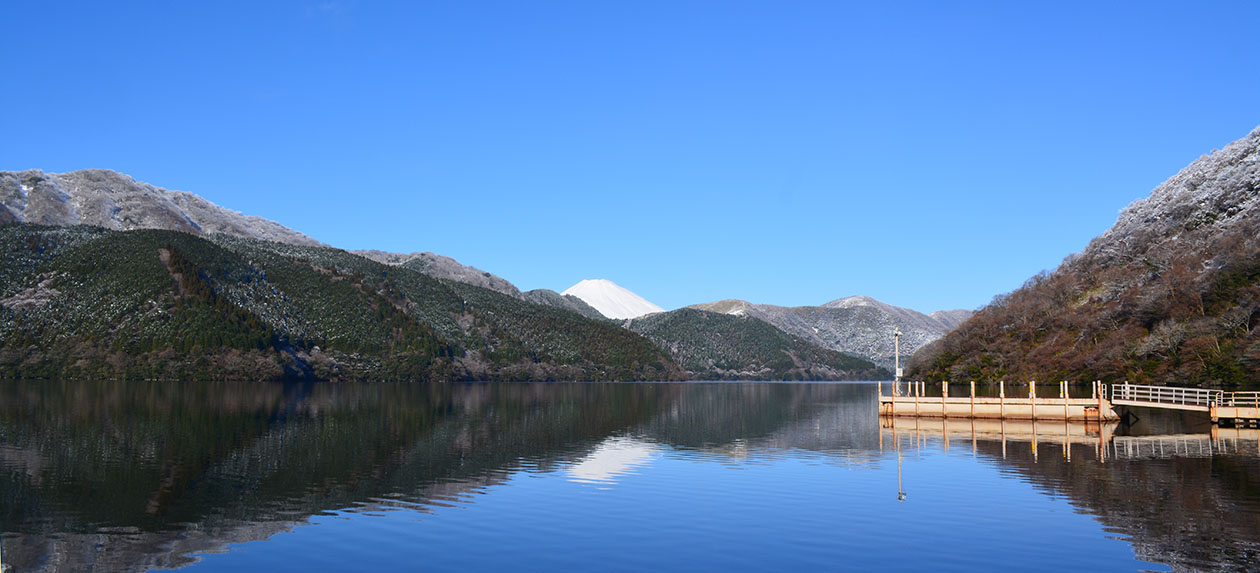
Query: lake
[131,476]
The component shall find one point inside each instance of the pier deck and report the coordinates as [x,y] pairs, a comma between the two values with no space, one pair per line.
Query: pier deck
[1237,408]
[914,403]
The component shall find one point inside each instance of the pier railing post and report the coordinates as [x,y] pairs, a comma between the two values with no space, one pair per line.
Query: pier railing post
[916,399]
[1101,398]
[1032,403]
[1002,406]
[1066,413]
[973,405]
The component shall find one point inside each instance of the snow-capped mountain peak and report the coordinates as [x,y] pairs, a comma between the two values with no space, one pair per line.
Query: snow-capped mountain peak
[612,300]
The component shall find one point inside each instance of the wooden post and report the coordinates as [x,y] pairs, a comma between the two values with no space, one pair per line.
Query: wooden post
[1101,399]
[1002,408]
[916,402]
[1032,402]
[894,400]
[1065,401]
[879,405]
[944,394]
[973,408]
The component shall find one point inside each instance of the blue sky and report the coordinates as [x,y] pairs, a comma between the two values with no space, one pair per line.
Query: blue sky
[929,154]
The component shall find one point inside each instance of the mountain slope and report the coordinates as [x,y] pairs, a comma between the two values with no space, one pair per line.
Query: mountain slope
[715,346]
[612,300]
[112,200]
[860,326]
[115,201]
[1169,294]
[90,302]
[565,301]
[443,267]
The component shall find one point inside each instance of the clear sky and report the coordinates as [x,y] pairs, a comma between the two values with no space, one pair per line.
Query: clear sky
[928,154]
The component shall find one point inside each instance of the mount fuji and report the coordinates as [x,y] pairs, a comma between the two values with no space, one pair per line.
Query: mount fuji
[612,300]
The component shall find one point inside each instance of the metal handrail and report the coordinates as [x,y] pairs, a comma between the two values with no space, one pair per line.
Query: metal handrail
[1242,399]
[1183,396]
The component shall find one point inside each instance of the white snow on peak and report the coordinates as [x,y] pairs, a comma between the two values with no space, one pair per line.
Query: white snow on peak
[612,300]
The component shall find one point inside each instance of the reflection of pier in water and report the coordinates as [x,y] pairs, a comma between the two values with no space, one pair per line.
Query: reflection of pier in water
[1222,441]
[917,431]
[1071,436]
[1192,507]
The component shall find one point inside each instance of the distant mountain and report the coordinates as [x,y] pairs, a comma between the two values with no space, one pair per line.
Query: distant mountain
[612,300]
[1169,294]
[115,201]
[87,302]
[447,268]
[715,346]
[952,319]
[858,325]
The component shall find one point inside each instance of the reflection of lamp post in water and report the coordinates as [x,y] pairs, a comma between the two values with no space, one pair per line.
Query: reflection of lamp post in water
[901,492]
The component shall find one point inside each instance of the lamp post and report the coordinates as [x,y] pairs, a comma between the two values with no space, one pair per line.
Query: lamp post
[897,354]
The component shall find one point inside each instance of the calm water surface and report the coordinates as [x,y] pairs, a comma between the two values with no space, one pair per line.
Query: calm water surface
[231,476]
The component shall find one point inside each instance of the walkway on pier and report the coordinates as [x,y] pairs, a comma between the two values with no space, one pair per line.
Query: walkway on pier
[1239,407]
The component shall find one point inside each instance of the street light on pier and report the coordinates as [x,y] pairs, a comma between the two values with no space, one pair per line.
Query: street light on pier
[897,355]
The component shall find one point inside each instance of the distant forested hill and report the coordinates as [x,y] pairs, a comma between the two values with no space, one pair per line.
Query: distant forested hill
[716,346]
[91,302]
[1170,294]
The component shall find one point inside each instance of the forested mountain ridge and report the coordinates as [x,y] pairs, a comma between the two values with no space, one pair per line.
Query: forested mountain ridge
[716,346]
[91,302]
[1169,294]
[116,201]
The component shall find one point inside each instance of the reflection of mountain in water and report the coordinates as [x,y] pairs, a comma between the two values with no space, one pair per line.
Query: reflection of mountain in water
[154,465]
[130,476]
[612,459]
[1193,510]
